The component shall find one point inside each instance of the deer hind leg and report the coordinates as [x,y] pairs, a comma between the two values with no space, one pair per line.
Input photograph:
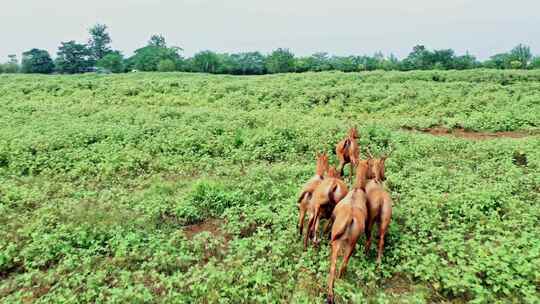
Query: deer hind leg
[301,218]
[316,226]
[308,230]
[349,250]
[369,226]
[386,216]
[382,232]
[331,277]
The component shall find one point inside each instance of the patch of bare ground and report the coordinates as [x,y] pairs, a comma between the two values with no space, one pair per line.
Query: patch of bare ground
[218,246]
[397,285]
[213,226]
[472,135]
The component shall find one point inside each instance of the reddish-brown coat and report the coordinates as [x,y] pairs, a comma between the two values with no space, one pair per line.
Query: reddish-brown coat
[347,151]
[325,197]
[349,218]
[307,191]
[379,204]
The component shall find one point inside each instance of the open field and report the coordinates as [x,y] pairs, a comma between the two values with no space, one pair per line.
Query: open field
[182,188]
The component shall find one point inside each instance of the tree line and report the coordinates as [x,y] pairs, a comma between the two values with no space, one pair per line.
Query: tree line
[97,56]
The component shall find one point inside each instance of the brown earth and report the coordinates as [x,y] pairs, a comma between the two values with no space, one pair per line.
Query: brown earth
[211,225]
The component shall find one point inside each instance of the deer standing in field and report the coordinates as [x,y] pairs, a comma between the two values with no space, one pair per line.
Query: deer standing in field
[325,197]
[349,218]
[309,187]
[379,203]
[347,151]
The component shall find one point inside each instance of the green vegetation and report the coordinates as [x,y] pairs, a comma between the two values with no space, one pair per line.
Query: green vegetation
[104,180]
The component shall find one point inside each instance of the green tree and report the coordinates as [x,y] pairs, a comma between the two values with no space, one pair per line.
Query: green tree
[37,61]
[228,64]
[379,59]
[535,63]
[521,53]
[249,63]
[166,65]
[280,61]
[73,58]
[302,64]
[364,63]
[114,62]
[345,64]
[499,61]
[148,58]
[157,41]
[419,58]
[99,41]
[443,59]
[206,62]
[320,62]
[464,62]
[390,63]
[12,66]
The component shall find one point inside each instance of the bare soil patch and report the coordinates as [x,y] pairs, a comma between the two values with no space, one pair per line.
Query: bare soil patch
[211,225]
[472,135]
[398,284]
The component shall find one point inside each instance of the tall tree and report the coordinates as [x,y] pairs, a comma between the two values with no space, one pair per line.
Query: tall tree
[206,62]
[345,63]
[320,62]
[464,62]
[420,57]
[442,58]
[498,61]
[157,41]
[249,63]
[148,58]
[99,41]
[37,61]
[280,61]
[535,63]
[12,66]
[73,58]
[114,62]
[521,53]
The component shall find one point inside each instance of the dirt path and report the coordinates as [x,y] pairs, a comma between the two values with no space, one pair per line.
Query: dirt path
[472,135]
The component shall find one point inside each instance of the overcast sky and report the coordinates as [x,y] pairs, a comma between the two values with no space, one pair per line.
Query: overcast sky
[482,27]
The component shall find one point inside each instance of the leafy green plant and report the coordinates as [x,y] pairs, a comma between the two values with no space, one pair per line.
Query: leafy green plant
[172,187]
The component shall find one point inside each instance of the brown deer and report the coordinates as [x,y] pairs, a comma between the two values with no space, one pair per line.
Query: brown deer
[325,197]
[347,151]
[379,203]
[349,219]
[309,187]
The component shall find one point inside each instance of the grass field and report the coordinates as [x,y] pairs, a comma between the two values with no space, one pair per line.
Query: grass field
[182,188]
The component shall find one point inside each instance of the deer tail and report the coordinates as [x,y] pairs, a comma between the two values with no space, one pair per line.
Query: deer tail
[305,194]
[331,197]
[340,227]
